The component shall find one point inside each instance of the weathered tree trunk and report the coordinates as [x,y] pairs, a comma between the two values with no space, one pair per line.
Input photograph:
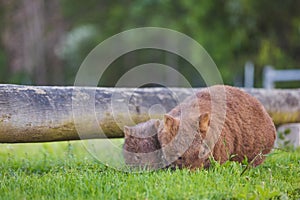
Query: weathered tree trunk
[41,113]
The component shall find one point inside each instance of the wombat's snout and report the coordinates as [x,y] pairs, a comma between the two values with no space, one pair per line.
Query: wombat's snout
[171,166]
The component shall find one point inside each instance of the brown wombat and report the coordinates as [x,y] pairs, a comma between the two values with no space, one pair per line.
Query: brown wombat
[141,147]
[191,132]
[247,132]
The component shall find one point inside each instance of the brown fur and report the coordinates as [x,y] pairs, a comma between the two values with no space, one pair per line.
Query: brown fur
[248,131]
[141,147]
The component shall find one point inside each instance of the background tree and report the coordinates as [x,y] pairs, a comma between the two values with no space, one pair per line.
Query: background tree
[31,31]
[233,32]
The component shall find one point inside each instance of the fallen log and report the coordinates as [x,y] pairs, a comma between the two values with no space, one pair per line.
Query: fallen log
[45,113]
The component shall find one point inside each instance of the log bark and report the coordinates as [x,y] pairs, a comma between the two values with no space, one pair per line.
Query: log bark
[44,113]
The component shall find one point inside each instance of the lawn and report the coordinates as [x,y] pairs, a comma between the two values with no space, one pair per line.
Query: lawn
[66,170]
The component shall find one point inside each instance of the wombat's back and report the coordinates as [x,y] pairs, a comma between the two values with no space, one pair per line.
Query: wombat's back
[248,129]
[245,129]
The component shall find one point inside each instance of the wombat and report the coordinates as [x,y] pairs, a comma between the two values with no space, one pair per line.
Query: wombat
[141,147]
[248,131]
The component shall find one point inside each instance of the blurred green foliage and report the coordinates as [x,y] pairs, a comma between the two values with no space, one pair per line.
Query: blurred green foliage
[232,32]
[3,66]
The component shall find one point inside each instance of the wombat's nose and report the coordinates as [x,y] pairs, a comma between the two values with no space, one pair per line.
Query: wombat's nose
[172,167]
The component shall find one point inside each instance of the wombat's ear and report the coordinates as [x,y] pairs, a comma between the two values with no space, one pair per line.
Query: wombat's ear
[204,121]
[126,131]
[170,121]
[157,124]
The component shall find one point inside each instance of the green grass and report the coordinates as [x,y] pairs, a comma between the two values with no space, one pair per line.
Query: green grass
[66,171]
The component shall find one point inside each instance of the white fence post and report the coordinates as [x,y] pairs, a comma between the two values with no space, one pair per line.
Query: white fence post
[268,74]
[249,75]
